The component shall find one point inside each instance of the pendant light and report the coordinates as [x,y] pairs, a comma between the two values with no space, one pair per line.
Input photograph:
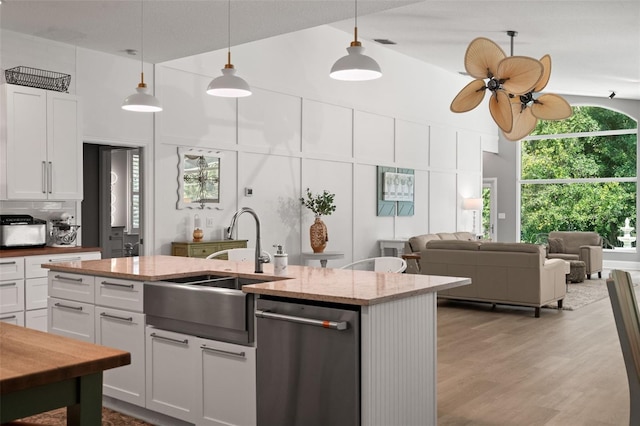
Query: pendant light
[142,100]
[356,66]
[229,85]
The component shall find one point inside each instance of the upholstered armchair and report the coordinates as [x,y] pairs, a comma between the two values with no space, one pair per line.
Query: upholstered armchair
[575,245]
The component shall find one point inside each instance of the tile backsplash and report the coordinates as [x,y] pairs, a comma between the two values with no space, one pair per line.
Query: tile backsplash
[45,210]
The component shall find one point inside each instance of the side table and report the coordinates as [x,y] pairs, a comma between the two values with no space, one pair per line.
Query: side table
[322,257]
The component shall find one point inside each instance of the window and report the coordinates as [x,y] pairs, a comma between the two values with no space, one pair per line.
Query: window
[579,174]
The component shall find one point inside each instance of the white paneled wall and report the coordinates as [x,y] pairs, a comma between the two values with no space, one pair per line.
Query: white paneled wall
[443,201]
[373,137]
[327,130]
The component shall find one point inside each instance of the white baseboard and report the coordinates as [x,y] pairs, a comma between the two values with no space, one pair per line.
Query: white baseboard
[142,413]
[621,264]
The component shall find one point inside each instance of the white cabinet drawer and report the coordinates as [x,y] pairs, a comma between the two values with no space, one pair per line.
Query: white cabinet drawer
[34,270]
[123,330]
[15,318]
[116,293]
[72,319]
[71,286]
[11,296]
[37,319]
[35,293]
[11,268]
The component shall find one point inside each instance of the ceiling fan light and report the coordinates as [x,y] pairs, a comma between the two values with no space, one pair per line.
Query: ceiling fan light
[142,101]
[229,85]
[355,66]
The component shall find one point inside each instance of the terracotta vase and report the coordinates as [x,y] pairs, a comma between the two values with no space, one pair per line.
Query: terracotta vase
[197,235]
[318,235]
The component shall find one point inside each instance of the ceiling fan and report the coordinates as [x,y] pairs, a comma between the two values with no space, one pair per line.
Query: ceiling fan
[483,54]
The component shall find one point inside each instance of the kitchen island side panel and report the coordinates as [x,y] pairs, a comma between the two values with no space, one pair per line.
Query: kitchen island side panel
[399,354]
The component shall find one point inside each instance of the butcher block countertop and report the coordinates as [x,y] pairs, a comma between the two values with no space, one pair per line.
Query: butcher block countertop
[32,358]
[43,251]
[301,282]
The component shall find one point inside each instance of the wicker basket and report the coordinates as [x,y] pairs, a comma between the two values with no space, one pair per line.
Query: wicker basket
[41,79]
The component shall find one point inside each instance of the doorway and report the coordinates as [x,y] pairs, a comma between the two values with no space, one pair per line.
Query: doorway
[489,208]
[112,208]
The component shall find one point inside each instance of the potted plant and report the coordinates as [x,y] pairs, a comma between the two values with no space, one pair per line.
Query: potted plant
[319,204]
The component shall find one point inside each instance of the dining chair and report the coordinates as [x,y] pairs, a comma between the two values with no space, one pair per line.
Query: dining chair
[380,264]
[239,254]
[627,317]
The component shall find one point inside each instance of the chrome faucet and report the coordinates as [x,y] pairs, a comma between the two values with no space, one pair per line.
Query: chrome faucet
[260,259]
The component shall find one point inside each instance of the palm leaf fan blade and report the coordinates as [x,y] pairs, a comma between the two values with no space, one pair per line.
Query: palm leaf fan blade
[469,97]
[482,58]
[546,73]
[519,74]
[500,109]
[523,122]
[551,107]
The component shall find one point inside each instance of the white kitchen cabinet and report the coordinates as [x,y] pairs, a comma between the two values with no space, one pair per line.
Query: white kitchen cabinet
[37,319]
[11,296]
[42,145]
[72,319]
[76,287]
[226,386]
[123,330]
[171,373]
[11,268]
[15,318]
[118,293]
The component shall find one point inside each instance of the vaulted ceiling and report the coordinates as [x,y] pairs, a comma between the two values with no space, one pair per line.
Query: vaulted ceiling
[594,45]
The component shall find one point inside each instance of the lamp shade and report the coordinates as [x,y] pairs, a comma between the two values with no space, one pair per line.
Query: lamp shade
[142,101]
[355,66]
[229,85]
[472,203]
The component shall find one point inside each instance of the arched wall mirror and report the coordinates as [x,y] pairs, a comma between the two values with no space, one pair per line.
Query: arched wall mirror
[198,178]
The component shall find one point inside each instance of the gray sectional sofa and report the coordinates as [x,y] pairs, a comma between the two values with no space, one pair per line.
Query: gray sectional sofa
[501,273]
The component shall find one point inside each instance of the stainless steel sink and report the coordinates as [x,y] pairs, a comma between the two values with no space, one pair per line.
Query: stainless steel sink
[209,306]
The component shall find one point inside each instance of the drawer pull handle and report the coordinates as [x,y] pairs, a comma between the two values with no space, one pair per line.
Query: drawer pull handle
[7,317]
[220,351]
[60,305]
[117,284]
[8,284]
[62,277]
[182,342]
[65,259]
[106,315]
[8,263]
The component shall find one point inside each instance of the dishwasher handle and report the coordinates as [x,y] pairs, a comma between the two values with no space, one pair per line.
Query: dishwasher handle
[333,325]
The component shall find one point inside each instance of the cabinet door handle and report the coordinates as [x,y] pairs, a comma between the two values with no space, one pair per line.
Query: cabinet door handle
[7,317]
[220,351]
[106,315]
[116,284]
[62,277]
[66,259]
[44,177]
[8,284]
[60,305]
[13,262]
[182,342]
[50,177]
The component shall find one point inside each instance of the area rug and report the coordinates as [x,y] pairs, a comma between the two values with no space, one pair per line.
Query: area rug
[584,293]
[109,418]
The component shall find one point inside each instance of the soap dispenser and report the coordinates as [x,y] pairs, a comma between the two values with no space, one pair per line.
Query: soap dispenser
[280,261]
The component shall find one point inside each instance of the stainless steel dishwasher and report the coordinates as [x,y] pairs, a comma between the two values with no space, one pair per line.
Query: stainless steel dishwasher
[308,363]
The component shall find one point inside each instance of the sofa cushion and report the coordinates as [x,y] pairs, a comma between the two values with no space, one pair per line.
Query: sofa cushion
[419,242]
[465,236]
[556,245]
[446,236]
[513,247]
[453,245]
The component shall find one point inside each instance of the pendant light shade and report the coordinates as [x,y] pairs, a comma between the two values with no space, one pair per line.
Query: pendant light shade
[229,85]
[355,66]
[142,100]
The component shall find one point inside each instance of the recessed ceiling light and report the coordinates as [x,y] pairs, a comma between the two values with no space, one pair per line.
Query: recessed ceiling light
[384,41]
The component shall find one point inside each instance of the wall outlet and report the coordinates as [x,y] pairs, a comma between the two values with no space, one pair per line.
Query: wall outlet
[210,222]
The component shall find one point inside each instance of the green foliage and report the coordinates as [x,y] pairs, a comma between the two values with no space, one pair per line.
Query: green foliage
[600,207]
[319,204]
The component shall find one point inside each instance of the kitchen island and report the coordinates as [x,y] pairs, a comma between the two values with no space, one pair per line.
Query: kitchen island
[397,320]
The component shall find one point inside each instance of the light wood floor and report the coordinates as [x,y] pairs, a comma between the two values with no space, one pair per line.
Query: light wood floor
[505,367]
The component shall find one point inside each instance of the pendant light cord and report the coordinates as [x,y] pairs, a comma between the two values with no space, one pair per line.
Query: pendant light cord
[355,29]
[141,41]
[229,32]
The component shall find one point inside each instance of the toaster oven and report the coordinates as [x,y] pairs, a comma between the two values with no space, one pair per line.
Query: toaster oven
[22,231]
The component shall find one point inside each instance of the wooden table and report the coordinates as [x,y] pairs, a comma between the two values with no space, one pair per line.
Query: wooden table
[42,371]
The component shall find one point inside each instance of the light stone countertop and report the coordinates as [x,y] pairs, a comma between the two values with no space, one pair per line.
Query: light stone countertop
[301,282]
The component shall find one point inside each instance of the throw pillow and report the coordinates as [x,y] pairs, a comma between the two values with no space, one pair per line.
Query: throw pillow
[556,245]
